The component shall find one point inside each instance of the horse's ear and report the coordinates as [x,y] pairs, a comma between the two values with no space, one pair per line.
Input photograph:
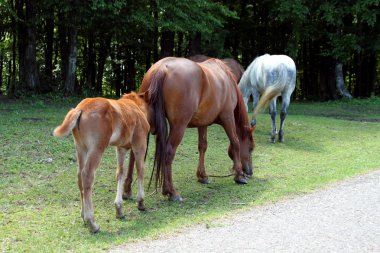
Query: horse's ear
[144,95]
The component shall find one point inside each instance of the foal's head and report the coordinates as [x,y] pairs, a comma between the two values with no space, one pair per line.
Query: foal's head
[139,100]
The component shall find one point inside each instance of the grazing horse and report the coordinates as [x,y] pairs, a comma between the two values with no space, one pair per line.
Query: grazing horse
[97,123]
[236,68]
[270,76]
[190,94]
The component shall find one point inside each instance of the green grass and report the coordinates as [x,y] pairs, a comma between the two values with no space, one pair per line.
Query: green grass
[39,198]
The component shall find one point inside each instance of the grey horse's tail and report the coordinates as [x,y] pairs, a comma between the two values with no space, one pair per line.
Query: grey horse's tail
[273,90]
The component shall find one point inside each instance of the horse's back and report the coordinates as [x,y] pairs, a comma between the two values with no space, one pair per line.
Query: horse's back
[194,93]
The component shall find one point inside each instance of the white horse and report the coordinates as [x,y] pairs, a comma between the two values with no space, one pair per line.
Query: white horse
[269,76]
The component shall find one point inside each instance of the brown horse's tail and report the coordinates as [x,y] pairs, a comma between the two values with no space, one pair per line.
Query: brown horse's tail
[272,91]
[71,120]
[158,120]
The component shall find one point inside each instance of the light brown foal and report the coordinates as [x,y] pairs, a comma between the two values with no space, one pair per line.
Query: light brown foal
[97,123]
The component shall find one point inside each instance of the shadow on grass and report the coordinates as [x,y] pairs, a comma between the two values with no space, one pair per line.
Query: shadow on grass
[199,207]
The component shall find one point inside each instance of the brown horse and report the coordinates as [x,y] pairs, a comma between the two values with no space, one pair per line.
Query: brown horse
[193,94]
[236,68]
[97,123]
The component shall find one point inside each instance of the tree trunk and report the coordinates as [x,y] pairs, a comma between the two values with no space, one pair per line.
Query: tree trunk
[31,75]
[102,58]
[49,28]
[154,7]
[21,45]
[179,50]
[340,85]
[71,62]
[116,68]
[91,68]
[167,43]
[63,46]
[1,71]
[130,71]
[195,44]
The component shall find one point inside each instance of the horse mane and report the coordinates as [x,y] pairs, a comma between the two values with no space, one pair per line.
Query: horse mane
[240,114]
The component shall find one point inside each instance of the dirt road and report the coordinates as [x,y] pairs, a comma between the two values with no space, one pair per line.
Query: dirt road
[344,217]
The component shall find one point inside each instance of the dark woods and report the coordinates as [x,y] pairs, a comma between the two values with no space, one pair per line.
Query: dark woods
[105,47]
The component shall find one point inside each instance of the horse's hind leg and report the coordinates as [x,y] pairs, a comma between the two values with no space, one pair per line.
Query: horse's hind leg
[175,137]
[255,101]
[128,182]
[121,175]
[202,146]
[285,104]
[88,176]
[81,157]
[272,112]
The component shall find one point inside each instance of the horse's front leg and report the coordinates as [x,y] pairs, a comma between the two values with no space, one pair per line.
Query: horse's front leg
[202,147]
[234,149]
[121,175]
[127,194]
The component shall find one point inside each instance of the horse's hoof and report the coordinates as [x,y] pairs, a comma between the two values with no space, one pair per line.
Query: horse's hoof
[247,175]
[127,196]
[175,198]
[94,228]
[120,217]
[241,180]
[141,205]
[119,214]
[203,180]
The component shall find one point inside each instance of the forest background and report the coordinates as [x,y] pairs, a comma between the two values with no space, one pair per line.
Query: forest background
[99,47]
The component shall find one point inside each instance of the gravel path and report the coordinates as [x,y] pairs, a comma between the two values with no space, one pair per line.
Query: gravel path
[342,218]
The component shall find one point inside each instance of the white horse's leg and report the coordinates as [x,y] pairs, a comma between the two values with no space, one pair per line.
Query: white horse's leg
[285,104]
[255,101]
[272,112]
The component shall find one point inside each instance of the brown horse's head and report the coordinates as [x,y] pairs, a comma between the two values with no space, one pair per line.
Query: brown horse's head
[247,146]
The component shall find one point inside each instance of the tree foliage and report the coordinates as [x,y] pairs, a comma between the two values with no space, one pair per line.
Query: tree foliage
[116,41]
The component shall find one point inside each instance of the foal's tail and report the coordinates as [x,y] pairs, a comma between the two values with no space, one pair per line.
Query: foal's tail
[71,120]
[156,102]
[273,90]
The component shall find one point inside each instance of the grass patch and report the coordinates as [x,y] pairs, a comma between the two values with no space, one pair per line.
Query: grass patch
[39,198]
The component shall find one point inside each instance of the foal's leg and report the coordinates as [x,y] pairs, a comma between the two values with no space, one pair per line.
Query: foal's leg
[81,157]
[202,146]
[88,176]
[272,112]
[285,104]
[121,175]
[174,139]
[140,155]
[128,182]
[228,124]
